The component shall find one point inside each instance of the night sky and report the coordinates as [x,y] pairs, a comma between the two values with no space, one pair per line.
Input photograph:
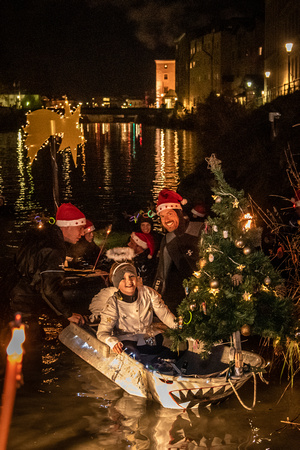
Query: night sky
[85,48]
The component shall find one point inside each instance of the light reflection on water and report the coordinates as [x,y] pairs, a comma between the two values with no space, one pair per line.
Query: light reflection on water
[65,403]
[121,167]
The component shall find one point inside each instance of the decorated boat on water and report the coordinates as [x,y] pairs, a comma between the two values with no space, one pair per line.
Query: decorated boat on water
[184,383]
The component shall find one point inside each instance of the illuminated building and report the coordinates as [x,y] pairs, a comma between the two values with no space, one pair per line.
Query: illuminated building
[282,62]
[165,83]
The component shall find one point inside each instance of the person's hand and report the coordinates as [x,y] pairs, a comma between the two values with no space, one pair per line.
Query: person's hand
[77,318]
[118,348]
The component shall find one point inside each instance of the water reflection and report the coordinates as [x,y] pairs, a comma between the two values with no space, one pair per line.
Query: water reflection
[66,191]
[166,161]
[121,166]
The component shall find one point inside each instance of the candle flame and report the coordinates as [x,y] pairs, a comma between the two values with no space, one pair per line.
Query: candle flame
[108,230]
[249,218]
[15,348]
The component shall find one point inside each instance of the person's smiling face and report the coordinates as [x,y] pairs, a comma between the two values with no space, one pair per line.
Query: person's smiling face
[128,284]
[146,227]
[169,220]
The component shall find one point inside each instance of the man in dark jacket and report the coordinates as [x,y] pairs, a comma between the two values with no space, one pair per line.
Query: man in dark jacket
[40,264]
[179,253]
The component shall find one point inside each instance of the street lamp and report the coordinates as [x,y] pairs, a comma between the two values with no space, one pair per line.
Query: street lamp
[267,75]
[289,47]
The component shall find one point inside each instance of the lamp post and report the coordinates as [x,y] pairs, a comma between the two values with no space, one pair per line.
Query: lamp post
[289,47]
[267,75]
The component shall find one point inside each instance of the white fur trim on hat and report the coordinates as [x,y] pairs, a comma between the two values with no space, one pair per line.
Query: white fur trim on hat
[197,213]
[71,223]
[120,254]
[139,241]
[164,206]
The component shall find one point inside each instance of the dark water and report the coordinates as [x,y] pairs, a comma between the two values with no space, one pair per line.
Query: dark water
[66,404]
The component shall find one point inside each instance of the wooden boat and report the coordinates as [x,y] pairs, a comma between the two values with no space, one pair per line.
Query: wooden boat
[164,380]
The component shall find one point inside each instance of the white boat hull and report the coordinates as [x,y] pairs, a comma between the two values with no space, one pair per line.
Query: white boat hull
[171,391]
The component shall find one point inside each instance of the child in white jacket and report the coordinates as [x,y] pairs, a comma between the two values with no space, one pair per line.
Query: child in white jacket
[126,321]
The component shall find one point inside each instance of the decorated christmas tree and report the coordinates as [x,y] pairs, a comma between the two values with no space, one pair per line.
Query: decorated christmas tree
[235,288]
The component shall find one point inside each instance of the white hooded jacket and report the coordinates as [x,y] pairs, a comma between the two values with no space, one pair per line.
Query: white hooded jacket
[133,321]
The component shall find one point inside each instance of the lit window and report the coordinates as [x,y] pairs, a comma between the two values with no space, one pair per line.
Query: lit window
[260,51]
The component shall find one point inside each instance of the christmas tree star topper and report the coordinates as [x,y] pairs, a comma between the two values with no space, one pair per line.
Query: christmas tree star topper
[213,162]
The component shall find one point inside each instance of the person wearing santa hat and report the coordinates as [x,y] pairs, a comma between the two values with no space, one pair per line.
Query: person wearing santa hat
[178,255]
[144,259]
[139,250]
[85,252]
[198,212]
[146,226]
[40,265]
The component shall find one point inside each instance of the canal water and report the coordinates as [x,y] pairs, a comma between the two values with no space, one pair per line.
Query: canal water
[66,404]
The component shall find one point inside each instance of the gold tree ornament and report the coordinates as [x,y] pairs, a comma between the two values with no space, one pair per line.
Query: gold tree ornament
[211,257]
[214,284]
[247,296]
[245,330]
[217,198]
[239,243]
[43,123]
[202,263]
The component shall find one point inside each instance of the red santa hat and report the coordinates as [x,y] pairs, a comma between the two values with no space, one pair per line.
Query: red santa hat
[69,216]
[199,210]
[89,227]
[145,241]
[296,199]
[168,199]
